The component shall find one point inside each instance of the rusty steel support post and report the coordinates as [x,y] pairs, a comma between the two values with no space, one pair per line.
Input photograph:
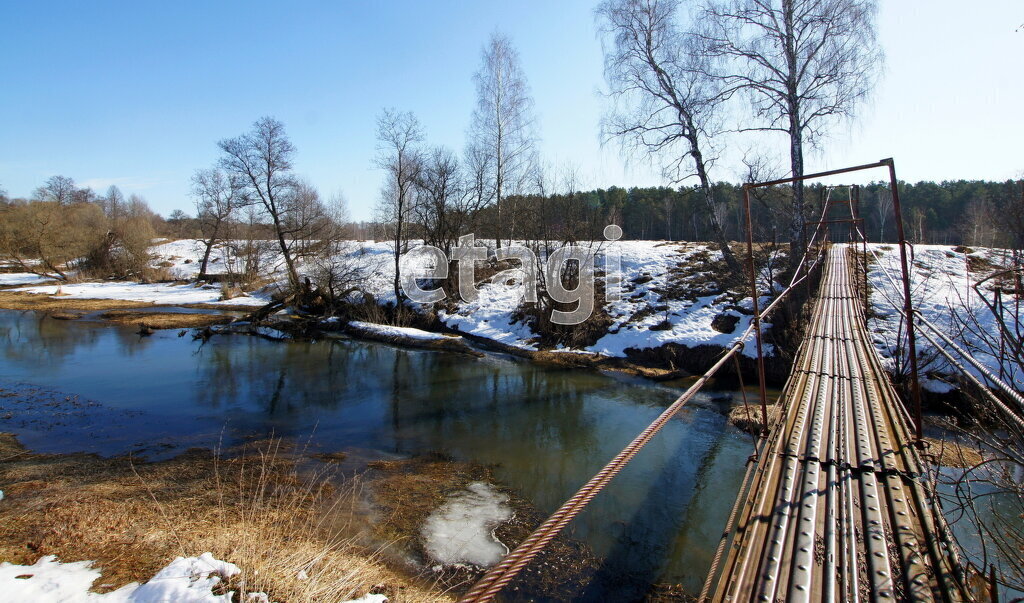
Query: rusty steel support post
[908,306]
[864,248]
[757,309]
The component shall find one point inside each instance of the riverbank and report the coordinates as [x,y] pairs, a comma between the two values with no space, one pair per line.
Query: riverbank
[296,526]
[674,298]
[664,363]
[282,526]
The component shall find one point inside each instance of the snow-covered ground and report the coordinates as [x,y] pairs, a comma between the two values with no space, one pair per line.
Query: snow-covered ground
[21,278]
[648,269]
[659,289]
[158,293]
[942,288]
[184,580]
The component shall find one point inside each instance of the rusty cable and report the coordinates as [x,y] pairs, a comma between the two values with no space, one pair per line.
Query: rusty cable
[751,463]
[509,567]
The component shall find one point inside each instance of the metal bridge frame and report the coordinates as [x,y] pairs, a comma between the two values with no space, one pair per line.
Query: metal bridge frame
[908,305]
[501,574]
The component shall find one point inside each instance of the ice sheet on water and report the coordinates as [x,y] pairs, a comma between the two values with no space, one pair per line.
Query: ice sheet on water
[461,530]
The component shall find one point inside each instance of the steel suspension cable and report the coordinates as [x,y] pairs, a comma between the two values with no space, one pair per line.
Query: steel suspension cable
[999,383]
[985,390]
[509,567]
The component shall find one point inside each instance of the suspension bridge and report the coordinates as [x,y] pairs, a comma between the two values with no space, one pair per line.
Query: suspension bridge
[839,507]
[835,504]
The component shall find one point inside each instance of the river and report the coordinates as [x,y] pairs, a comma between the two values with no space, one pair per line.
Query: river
[545,429]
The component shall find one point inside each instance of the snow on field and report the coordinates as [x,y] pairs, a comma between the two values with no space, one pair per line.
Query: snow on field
[158,293]
[461,530]
[649,269]
[186,580]
[184,256]
[942,288]
[21,278]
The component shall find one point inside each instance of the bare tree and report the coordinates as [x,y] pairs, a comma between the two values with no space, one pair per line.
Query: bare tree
[58,189]
[262,161]
[446,200]
[399,135]
[113,203]
[307,222]
[216,196]
[502,129]
[48,238]
[803,63]
[129,232]
[336,267]
[883,209]
[665,101]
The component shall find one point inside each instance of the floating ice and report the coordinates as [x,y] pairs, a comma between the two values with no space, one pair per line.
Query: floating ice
[461,530]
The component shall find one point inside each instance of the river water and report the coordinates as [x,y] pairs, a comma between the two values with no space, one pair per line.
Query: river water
[546,429]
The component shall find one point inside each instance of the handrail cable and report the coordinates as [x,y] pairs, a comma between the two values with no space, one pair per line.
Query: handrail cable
[509,567]
[1007,389]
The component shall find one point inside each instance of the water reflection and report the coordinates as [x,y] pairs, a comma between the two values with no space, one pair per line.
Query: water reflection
[545,429]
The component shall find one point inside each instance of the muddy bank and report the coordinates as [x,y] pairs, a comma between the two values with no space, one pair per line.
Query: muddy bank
[165,320]
[254,508]
[407,491]
[120,311]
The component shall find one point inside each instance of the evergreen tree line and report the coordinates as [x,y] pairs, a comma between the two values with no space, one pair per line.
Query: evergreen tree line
[957,212]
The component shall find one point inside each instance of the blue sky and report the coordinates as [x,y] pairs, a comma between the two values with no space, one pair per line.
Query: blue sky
[137,94]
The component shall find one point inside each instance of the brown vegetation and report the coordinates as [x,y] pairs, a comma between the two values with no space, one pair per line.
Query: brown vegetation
[17,300]
[165,320]
[255,509]
[750,419]
[949,453]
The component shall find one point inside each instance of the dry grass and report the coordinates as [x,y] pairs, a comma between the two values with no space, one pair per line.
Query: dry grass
[11,300]
[255,509]
[749,418]
[952,454]
[165,320]
[66,308]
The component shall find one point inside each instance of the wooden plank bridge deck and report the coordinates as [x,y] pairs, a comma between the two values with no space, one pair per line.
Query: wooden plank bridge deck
[837,507]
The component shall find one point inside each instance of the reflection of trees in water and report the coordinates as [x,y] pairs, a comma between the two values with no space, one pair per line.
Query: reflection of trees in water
[451,402]
[284,378]
[34,339]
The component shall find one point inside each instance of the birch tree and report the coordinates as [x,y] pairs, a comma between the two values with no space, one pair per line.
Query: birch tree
[502,129]
[262,161]
[666,102]
[399,135]
[802,63]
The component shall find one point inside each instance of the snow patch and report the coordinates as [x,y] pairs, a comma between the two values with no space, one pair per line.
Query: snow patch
[158,293]
[942,288]
[187,580]
[368,599]
[22,278]
[461,530]
[402,332]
